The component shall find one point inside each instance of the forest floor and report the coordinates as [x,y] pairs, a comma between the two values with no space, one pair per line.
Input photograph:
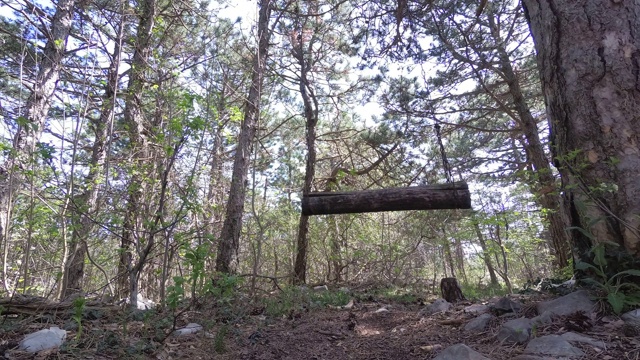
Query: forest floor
[358,331]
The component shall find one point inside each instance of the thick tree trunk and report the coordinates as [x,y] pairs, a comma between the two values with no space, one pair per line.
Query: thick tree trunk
[227,256]
[37,109]
[588,56]
[451,290]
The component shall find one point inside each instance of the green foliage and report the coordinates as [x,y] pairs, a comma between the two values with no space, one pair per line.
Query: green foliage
[78,309]
[218,342]
[296,298]
[224,288]
[619,289]
[474,293]
[175,292]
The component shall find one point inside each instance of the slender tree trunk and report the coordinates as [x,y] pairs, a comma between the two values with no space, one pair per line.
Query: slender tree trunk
[37,109]
[229,240]
[311,116]
[588,58]
[86,205]
[138,146]
[544,183]
[486,257]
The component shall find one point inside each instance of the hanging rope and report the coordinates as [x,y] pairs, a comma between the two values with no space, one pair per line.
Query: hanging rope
[445,162]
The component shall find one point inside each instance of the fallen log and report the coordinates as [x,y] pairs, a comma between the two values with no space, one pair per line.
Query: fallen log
[427,197]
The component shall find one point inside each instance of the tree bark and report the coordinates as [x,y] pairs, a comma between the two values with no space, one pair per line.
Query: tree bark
[451,290]
[427,197]
[486,256]
[227,256]
[588,55]
[139,148]
[311,115]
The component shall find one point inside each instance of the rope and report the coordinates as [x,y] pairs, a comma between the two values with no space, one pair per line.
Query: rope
[445,162]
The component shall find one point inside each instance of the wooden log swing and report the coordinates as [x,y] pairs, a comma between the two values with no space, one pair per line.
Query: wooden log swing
[454,195]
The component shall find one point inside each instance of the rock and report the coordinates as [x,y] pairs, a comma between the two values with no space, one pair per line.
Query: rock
[552,345]
[438,306]
[479,323]
[633,315]
[569,304]
[476,309]
[516,330]
[631,328]
[43,340]
[506,305]
[321,288]
[191,328]
[144,304]
[460,352]
[573,338]
[543,319]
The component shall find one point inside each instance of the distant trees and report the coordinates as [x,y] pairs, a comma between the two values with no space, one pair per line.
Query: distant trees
[166,146]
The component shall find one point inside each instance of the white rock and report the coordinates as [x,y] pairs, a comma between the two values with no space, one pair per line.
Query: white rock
[43,340]
[321,288]
[143,303]
[191,328]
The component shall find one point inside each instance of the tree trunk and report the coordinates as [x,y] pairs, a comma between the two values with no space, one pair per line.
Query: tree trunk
[226,259]
[544,184]
[86,205]
[451,290]
[37,109]
[139,148]
[486,257]
[588,56]
[310,101]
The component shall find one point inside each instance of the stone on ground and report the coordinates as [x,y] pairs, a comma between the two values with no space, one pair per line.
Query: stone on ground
[515,331]
[438,306]
[476,309]
[569,304]
[43,340]
[578,338]
[191,328]
[506,305]
[633,315]
[478,324]
[460,352]
[552,345]
[543,319]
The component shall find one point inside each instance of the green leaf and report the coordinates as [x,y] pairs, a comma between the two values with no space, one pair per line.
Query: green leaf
[616,300]
[583,231]
[598,255]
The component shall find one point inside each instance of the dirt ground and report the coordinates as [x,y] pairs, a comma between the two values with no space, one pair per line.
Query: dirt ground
[361,332]
[398,334]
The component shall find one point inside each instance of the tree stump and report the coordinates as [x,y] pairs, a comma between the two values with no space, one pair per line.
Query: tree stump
[451,290]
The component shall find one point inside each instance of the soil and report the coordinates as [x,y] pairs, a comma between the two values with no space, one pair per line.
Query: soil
[363,331]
